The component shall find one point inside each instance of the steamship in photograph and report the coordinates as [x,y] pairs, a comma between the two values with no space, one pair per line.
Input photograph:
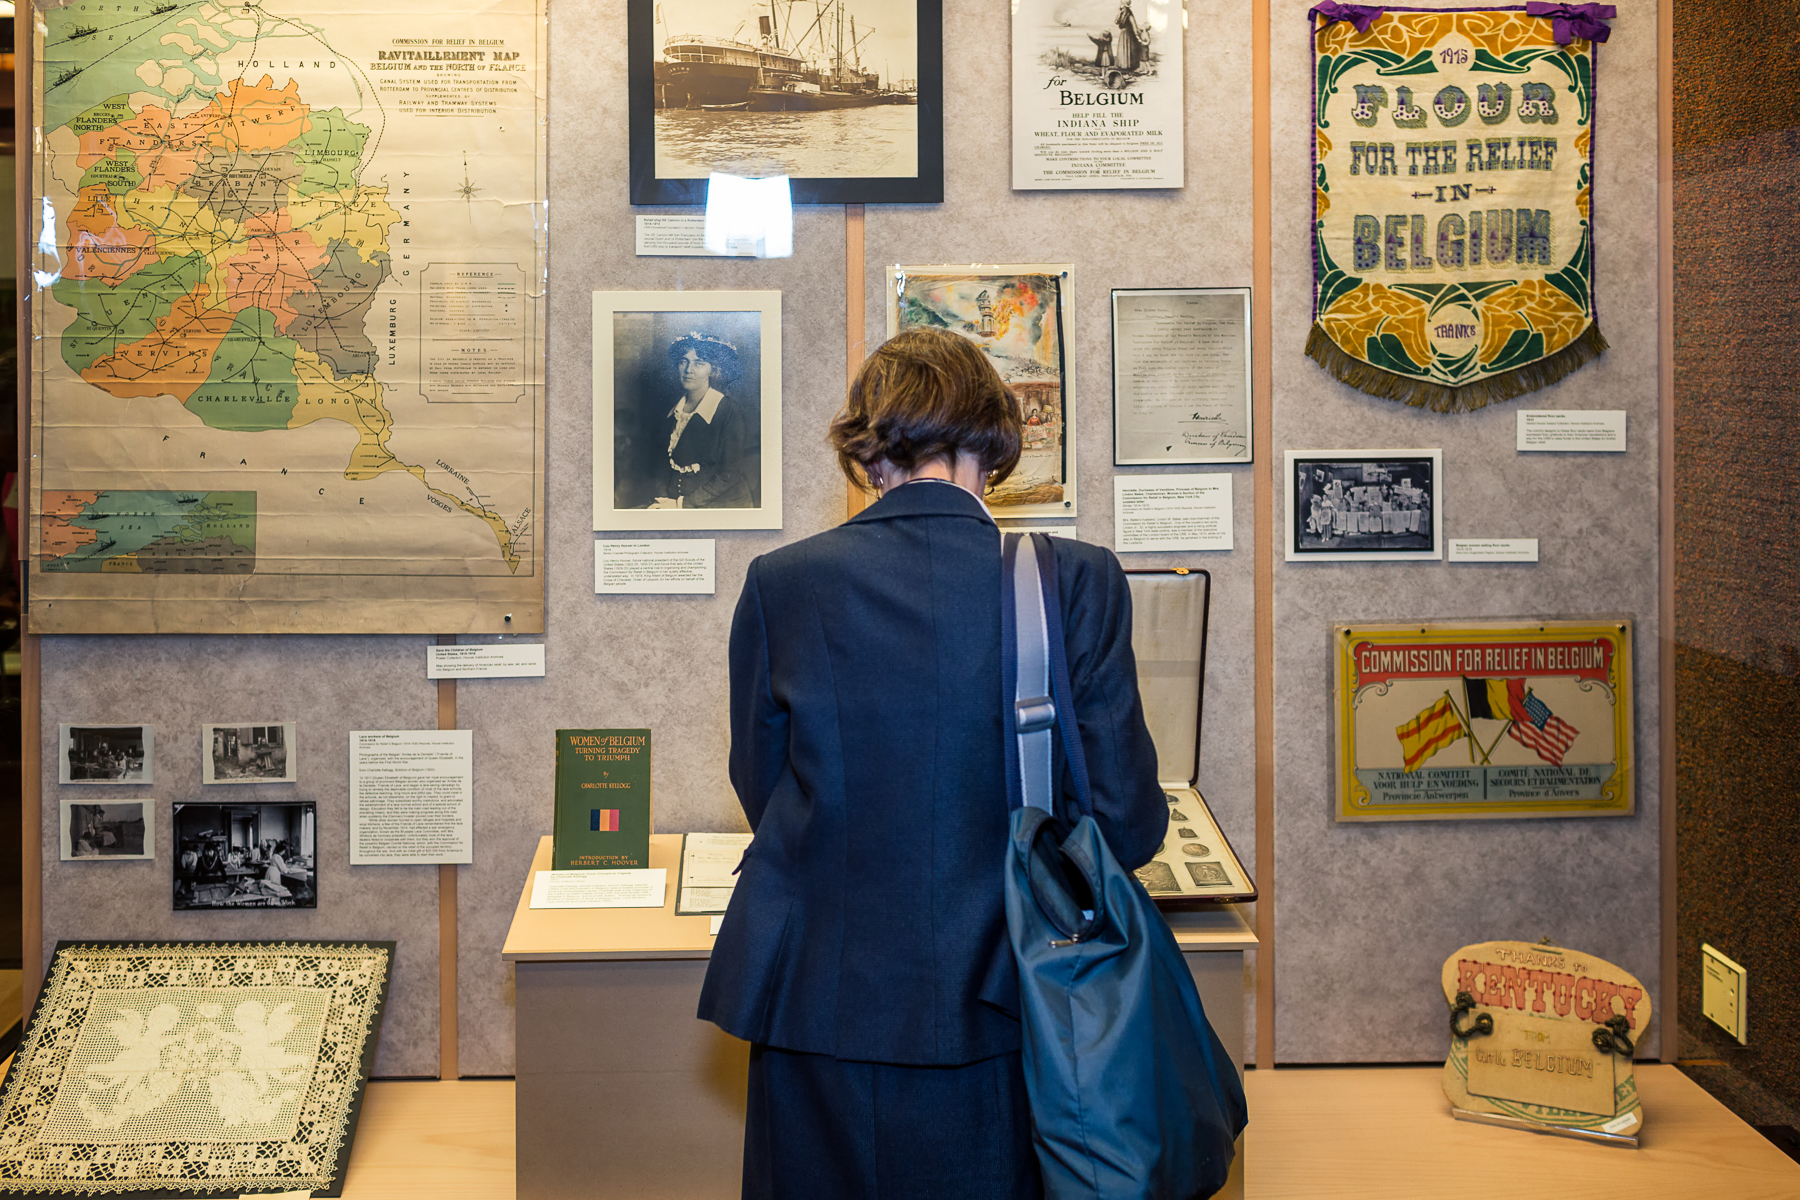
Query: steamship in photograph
[806,58]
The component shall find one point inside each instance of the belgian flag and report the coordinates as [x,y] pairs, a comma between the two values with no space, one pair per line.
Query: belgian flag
[1495,699]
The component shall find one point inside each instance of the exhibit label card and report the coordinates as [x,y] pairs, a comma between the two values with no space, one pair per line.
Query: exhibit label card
[1172,512]
[644,888]
[1181,375]
[1097,95]
[1586,431]
[514,660]
[1493,550]
[411,797]
[1061,531]
[680,235]
[602,800]
[681,567]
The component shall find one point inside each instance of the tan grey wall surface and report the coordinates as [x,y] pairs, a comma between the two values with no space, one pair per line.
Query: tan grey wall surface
[1368,913]
[328,686]
[1370,909]
[1197,236]
[650,661]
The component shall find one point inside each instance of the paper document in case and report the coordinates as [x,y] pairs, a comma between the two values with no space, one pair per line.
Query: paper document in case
[709,866]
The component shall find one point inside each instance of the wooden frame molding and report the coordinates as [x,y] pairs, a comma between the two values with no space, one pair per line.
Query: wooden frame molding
[447,1027]
[1667,700]
[31,716]
[856,337]
[1263,543]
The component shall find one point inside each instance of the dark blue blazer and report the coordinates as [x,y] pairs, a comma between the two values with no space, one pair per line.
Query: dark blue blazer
[868,920]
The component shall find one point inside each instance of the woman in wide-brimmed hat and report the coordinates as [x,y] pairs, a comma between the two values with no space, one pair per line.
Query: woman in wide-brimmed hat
[705,434]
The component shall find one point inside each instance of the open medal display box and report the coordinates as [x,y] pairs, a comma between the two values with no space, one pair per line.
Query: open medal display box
[1195,865]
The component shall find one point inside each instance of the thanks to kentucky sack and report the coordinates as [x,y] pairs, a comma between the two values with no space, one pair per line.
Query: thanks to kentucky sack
[1453,194]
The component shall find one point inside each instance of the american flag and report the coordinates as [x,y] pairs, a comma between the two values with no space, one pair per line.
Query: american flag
[1544,733]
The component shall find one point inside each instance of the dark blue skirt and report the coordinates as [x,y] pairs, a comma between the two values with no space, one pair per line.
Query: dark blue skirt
[820,1127]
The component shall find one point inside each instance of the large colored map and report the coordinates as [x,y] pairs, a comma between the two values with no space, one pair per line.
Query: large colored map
[289,278]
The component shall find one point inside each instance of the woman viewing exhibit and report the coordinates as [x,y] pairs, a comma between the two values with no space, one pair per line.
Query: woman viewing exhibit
[705,436]
[865,952]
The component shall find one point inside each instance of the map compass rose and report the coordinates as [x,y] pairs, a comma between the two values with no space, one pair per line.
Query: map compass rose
[468,190]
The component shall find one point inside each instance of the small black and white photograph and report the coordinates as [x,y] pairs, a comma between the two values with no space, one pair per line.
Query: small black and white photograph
[96,831]
[843,99]
[1364,505]
[687,410]
[248,753]
[106,754]
[246,856]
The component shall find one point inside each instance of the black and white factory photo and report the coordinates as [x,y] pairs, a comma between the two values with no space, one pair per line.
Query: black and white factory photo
[246,856]
[106,754]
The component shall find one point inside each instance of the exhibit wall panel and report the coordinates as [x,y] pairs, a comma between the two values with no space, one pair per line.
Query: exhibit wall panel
[326,686]
[1369,912]
[655,662]
[1197,236]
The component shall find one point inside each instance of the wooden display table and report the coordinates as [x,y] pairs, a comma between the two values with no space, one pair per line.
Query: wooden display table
[623,1092]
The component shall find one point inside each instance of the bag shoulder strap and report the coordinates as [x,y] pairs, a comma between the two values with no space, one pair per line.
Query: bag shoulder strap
[1036,664]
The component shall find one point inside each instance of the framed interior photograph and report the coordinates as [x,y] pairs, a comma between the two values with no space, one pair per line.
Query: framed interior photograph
[846,100]
[106,754]
[91,832]
[1364,505]
[687,410]
[1018,315]
[1181,376]
[249,753]
[246,856]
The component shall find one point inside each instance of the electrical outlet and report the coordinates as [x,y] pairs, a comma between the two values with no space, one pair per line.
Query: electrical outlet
[1724,991]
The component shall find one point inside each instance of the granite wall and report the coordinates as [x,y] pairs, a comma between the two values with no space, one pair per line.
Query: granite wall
[1737,521]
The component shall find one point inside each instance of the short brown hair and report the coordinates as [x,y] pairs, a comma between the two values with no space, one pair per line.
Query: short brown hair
[924,395]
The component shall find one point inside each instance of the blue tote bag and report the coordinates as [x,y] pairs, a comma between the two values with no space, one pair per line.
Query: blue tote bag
[1133,1097]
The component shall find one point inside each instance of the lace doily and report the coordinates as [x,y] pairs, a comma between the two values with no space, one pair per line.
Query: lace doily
[187,1069]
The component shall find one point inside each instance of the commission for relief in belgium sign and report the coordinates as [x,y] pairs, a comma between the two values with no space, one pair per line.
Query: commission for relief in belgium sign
[1483,720]
[1453,174]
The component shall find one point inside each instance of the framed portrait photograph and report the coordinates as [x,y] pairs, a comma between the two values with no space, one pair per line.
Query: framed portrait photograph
[106,754]
[1181,376]
[844,99]
[246,856]
[1364,505]
[1019,315]
[91,832]
[249,753]
[687,410]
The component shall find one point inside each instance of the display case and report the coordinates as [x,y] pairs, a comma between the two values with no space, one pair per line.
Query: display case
[1195,864]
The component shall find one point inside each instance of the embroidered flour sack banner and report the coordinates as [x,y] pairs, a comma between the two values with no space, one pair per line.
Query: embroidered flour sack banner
[1453,169]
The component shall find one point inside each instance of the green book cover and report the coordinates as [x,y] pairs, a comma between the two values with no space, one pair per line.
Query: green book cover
[602,799]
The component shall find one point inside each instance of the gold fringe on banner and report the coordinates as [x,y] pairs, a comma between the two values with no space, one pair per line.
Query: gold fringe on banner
[1422,393]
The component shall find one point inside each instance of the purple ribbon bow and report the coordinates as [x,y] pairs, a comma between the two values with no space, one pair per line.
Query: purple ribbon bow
[1571,21]
[1360,15]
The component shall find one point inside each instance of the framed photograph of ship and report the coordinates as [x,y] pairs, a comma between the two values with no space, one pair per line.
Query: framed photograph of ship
[687,410]
[844,97]
[1018,315]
